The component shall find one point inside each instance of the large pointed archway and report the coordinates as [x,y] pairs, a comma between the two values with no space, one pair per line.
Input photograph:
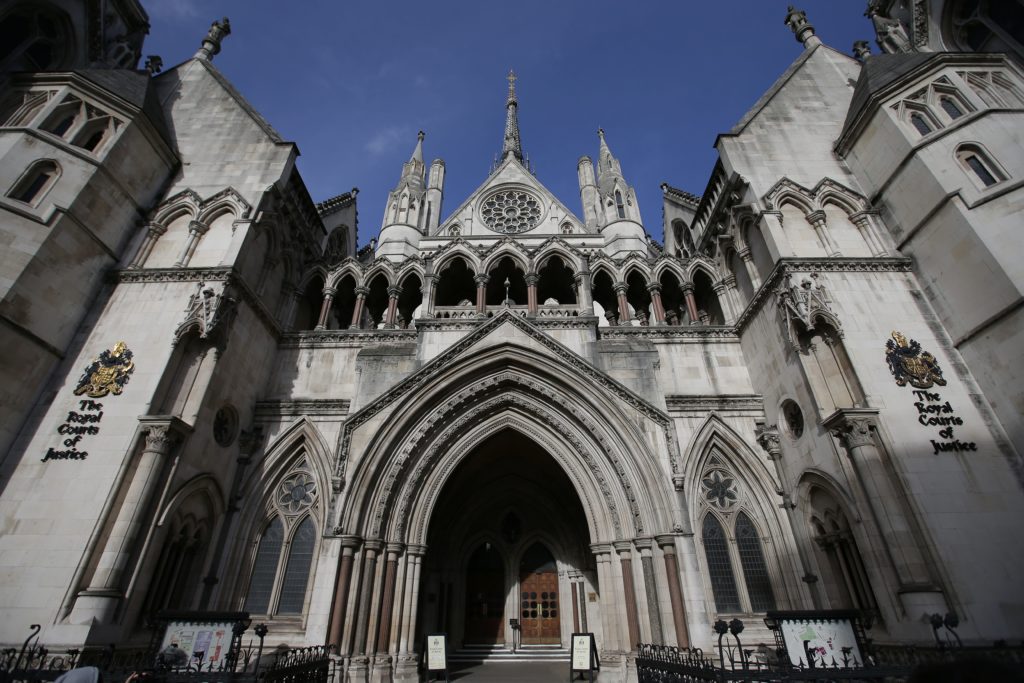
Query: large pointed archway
[508,539]
[613,452]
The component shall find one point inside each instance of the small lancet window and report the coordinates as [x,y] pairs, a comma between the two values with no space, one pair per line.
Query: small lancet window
[265,568]
[920,123]
[619,205]
[716,551]
[979,166]
[950,107]
[35,183]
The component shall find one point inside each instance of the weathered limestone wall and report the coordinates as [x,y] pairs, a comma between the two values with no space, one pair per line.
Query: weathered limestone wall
[951,492]
[800,121]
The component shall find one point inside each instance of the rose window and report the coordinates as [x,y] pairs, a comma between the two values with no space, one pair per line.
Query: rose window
[511,211]
[296,493]
[719,489]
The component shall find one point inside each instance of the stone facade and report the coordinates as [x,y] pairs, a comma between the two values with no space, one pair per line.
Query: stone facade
[805,399]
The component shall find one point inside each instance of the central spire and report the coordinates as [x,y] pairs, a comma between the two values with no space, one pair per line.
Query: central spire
[512,143]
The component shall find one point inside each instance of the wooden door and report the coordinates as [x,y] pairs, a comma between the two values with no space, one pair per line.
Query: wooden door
[539,608]
[485,598]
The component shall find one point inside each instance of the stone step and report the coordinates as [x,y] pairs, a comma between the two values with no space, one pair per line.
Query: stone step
[498,653]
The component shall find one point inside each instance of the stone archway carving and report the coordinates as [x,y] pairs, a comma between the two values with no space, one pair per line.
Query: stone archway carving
[571,361]
[447,458]
[451,419]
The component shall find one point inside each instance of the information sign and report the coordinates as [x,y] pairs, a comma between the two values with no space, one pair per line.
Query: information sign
[436,653]
[583,655]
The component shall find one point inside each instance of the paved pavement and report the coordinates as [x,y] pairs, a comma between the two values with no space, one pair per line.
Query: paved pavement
[510,672]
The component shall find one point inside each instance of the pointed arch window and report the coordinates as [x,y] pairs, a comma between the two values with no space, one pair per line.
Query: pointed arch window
[265,568]
[284,556]
[740,580]
[755,571]
[951,108]
[296,576]
[716,549]
[619,206]
[920,123]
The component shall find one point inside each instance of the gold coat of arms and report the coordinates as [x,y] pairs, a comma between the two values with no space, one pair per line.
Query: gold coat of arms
[107,374]
[909,364]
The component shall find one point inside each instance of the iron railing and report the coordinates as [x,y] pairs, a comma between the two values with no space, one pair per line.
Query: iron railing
[736,663]
[33,662]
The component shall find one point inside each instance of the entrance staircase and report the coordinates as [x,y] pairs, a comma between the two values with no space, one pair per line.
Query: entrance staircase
[487,654]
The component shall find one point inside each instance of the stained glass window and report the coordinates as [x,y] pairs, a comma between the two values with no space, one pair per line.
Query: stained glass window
[755,572]
[716,549]
[951,108]
[920,123]
[265,568]
[296,576]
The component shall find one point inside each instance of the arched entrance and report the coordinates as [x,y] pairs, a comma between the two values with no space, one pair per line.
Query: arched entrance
[507,540]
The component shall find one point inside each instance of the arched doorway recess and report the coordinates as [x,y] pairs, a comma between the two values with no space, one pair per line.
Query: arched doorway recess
[508,539]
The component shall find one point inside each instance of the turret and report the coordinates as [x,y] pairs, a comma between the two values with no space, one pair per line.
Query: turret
[435,195]
[618,214]
[405,214]
[588,191]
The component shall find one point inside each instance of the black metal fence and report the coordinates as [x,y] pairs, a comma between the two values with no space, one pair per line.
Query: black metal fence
[948,660]
[248,663]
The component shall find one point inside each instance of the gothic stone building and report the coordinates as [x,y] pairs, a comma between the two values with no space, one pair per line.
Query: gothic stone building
[809,397]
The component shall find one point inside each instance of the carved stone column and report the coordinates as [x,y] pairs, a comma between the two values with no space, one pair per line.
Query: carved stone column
[611,619]
[106,587]
[357,312]
[728,297]
[153,232]
[325,308]
[863,222]
[428,295]
[369,578]
[531,293]
[414,556]
[195,231]
[855,428]
[659,308]
[748,263]
[481,294]
[675,590]
[389,317]
[289,308]
[767,437]
[349,544]
[644,545]
[625,552]
[585,295]
[620,294]
[387,599]
[817,219]
[691,303]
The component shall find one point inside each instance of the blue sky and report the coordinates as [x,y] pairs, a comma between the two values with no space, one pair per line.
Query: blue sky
[351,82]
